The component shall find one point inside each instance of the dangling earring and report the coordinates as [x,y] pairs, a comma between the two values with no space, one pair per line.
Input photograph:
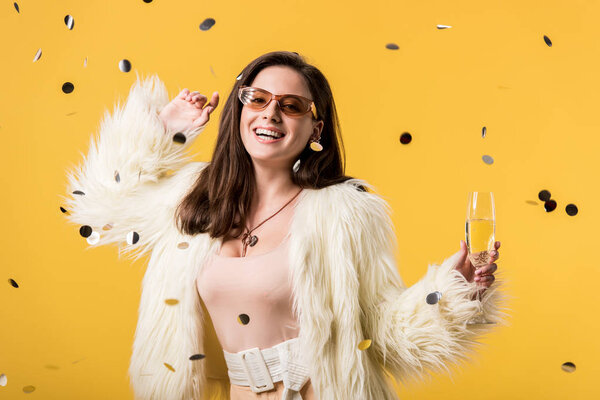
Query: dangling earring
[296,166]
[316,146]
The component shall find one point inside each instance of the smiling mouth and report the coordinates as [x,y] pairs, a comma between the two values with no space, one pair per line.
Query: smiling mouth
[266,138]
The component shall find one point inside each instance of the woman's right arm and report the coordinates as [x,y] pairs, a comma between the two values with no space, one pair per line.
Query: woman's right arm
[122,190]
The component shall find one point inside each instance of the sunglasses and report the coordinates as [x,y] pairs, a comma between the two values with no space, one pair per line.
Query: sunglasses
[291,104]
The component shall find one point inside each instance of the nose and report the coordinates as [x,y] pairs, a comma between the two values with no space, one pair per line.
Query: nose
[272,109]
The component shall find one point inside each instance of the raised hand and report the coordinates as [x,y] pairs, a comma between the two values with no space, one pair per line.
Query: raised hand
[188,111]
[484,276]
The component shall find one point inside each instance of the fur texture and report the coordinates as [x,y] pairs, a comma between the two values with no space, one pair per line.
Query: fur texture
[344,276]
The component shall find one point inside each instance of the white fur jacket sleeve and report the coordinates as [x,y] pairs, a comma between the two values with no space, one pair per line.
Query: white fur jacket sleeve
[411,336]
[126,166]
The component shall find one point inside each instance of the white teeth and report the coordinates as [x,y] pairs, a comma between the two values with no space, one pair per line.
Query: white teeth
[268,132]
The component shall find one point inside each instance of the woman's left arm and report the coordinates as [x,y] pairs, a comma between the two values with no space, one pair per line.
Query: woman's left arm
[409,335]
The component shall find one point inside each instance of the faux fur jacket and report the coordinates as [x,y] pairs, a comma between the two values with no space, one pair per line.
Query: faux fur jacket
[346,284]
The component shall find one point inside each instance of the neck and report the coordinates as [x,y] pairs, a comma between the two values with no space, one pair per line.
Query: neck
[274,188]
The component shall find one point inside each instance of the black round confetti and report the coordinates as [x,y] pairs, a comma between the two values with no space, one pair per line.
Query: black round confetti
[548,41]
[67,87]
[125,65]
[17,7]
[544,195]
[405,138]
[197,357]
[63,210]
[69,21]
[13,283]
[550,205]
[568,367]
[483,131]
[79,192]
[147,1]
[392,46]
[179,138]
[207,24]
[85,231]
[244,319]
[571,209]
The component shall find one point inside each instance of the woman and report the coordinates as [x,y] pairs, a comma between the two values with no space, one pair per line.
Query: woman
[290,260]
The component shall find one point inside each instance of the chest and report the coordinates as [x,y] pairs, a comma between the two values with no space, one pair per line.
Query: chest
[270,235]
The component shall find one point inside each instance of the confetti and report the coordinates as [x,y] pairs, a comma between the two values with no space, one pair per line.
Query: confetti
[365,344]
[243,319]
[433,298]
[207,24]
[132,237]
[37,55]
[125,65]
[69,22]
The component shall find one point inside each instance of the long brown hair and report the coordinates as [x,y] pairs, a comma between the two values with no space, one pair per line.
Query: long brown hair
[220,199]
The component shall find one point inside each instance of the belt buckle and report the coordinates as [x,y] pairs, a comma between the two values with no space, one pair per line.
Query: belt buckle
[264,371]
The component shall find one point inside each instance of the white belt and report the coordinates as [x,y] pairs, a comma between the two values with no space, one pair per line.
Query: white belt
[259,369]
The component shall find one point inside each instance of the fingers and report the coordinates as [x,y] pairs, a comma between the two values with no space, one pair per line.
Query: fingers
[182,95]
[485,280]
[486,270]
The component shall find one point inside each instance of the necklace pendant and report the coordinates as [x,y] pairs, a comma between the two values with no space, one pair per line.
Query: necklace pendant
[253,240]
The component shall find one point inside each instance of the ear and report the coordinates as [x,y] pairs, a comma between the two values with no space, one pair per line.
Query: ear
[317,128]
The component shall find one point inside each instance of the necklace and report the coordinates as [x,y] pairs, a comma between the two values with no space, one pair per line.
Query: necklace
[248,239]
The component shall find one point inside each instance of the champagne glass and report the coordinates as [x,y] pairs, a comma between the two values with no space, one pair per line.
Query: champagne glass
[480,229]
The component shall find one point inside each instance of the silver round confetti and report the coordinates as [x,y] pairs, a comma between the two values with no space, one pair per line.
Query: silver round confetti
[85,62]
[93,238]
[392,46]
[69,22]
[207,24]
[3,378]
[117,177]
[296,166]
[433,298]
[37,55]
[125,65]
[488,159]
[483,132]
[132,237]
[239,77]
[443,26]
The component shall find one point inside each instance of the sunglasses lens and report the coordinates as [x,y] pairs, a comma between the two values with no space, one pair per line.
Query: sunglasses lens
[290,105]
[293,105]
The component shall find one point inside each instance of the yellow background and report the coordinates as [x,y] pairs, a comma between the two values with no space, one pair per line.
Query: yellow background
[68,329]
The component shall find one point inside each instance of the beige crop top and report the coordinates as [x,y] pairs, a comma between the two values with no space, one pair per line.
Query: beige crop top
[249,299]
